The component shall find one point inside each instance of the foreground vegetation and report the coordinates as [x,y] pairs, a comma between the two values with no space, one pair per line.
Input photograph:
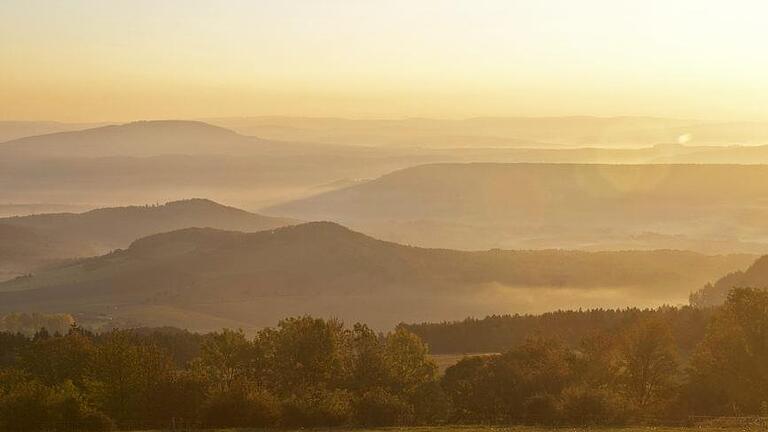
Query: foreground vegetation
[310,372]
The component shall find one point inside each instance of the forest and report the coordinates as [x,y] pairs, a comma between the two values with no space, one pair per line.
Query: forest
[311,372]
[498,333]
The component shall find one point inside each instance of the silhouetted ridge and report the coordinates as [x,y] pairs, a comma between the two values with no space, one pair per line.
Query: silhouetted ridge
[187,205]
[756,276]
[152,126]
[319,229]
[311,232]
[71,235]
[137,139]
[181,241]
[549,205]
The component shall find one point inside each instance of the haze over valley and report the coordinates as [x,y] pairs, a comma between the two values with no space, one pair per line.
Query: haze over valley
[202,278]
[526,214]
[392,216]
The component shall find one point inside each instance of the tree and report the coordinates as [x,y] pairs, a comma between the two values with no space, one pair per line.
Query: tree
[471,388]
[407,357]
[370,369]
[56,359]
[306,353]
[225,358]
[517,386]
[124,374]
[648,363]
[241,405]
[729,372]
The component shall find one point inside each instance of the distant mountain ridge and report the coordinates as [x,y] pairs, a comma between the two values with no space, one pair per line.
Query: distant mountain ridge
[712,208]
[510,132]
[755,276]
[11,130]
[23,249]
[71,235]
[141,138]
[321,267]
[160,160]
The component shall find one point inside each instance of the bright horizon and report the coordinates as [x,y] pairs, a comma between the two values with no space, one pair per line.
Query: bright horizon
[81,61]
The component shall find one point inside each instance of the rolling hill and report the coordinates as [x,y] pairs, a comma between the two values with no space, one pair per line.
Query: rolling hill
[501,132]
[325,269]
[710,208]
[23,249]
[143,138]
[11,130]
[166,160]
[755,276]
[170,160]
[30,241]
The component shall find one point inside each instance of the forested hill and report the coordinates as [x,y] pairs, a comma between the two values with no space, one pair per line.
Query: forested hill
[26,242]
[325,269]
[756,276]
[546,205]
[117,227]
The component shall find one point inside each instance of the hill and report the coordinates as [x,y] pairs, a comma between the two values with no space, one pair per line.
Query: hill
[182,277]
[22,249]
[167,160]
[143,138]
[11,130]
[171,159]
[474,132]
[40,238]
[744,155]
[756,276]
[709,208]
[502,132]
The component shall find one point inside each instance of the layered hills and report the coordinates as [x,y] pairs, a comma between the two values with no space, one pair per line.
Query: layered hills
[714,294]
[321,268]
[708,208]
[28,242]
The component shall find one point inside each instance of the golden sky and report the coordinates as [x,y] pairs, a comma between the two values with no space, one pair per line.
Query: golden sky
[75,60]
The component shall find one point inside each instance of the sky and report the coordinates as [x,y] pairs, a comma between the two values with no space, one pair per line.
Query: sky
[79,60]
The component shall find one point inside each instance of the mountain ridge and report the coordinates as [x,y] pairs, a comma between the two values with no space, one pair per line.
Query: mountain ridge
[322,268]
[141,138]
[97,231]
[540,205]
[715,294]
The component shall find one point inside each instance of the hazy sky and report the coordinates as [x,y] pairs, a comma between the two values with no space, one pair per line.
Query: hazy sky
[123,60]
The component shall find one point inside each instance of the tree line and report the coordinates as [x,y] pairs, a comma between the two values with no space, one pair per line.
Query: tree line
[309,372]
[499,333]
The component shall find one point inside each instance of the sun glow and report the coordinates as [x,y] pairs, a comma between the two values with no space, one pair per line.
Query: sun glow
[128,60]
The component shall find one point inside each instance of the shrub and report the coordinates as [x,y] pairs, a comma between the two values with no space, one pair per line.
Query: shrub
[431,404]
[586,406]
[28,406]
[318,408]
[541,409]
[77,416]
[378,407]
[241,407]
[95,421]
